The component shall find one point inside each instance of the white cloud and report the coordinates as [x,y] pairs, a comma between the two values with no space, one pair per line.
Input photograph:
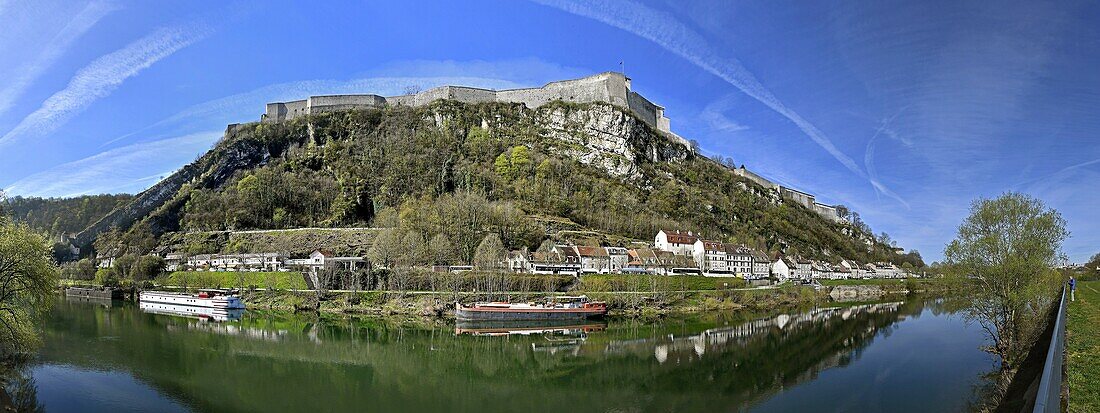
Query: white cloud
[664,30]
[49,52]
[102,77]
[126,169]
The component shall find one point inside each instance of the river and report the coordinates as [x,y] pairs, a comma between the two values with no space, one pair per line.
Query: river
[913,356]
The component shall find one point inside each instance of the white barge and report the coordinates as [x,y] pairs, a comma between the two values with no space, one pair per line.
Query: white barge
[205,298]
[200,313]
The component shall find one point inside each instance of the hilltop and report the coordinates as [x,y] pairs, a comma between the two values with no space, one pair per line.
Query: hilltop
[467,169]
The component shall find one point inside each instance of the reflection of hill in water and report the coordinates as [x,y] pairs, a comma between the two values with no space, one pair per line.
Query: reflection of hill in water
[267,362]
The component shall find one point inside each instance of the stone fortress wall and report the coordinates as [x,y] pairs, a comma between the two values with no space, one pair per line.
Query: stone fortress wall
[610,87]
[807,200]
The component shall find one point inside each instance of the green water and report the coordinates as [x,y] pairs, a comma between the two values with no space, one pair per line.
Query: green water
[912,356]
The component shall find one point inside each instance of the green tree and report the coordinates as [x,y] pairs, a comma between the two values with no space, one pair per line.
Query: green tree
[503,166]
[1094,263]
[1005,249]
[27,280]
[521,160]
[147,267]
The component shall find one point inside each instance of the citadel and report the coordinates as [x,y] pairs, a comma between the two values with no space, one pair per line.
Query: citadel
[609,87]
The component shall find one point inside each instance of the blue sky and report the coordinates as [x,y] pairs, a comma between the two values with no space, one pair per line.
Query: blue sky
[905,111]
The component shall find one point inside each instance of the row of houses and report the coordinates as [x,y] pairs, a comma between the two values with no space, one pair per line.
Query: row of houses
[266,261]
[715,258]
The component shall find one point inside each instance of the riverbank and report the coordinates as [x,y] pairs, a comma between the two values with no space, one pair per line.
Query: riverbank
[635,296]
[1083,348]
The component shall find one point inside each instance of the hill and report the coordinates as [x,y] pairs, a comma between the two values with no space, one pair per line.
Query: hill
[57,216]
[457,171]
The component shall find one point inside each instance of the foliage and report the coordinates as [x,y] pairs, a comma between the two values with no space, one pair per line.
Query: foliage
[61,215]
[27,278]
[235,279]
[465,170]
[1005,250]
[106,277]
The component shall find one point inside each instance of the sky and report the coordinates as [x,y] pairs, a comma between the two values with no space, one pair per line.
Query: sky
[904,111]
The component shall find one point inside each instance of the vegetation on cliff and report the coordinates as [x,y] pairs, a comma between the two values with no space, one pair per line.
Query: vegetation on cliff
[456,173]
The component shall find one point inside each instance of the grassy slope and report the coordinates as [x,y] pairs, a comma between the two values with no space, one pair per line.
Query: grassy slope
[201,279]
[1083,349]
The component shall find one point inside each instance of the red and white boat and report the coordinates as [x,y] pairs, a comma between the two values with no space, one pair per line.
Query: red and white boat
[205,298]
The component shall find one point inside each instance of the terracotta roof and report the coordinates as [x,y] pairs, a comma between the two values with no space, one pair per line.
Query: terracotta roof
[591,251]
[680,237]
[713,245]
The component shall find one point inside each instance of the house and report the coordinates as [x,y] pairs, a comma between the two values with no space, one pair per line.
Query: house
[519,261]
[679,264]
[781,269]
[803,269]
[740,260]
[677,242]
[174,261]
[107,259]
[555,261]
[710,256]
[819,270]
[645,260]
[594,260]
[761,265]
[617,257]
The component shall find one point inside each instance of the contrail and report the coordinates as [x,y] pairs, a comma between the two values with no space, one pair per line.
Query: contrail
[100,78]
[669,33]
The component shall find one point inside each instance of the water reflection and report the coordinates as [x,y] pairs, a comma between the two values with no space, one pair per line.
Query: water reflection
[693,364]
[200,313]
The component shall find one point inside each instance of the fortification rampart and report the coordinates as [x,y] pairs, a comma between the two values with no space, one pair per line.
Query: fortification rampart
[610,87]
[807,200]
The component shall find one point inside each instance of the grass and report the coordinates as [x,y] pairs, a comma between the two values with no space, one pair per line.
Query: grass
[1083,348]
[216,279]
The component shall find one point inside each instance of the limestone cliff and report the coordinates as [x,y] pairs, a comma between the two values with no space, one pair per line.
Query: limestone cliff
[598,134]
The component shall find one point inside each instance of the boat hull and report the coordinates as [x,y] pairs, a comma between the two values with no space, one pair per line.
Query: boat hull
[501,314]
[225,302]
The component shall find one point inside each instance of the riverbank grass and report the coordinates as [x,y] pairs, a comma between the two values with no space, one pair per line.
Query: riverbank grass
[234,279]
[1083,348]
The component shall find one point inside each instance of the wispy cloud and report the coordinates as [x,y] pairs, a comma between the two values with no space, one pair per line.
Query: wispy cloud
[102,77]
[51,51]
[869,163]
[125,169]
[714,115]
[666,31]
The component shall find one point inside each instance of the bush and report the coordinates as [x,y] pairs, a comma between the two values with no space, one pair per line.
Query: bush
[106,277]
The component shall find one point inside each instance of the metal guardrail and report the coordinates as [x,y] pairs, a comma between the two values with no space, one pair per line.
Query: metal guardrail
[1048,399]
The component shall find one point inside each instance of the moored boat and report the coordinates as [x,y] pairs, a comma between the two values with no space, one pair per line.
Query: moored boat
[205,298]
[554,308]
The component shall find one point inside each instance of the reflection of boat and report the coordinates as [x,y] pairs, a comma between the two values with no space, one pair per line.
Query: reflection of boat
[205,298]
[103,293]
[503,328]
[104,302]
[201,313]
[554,308]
